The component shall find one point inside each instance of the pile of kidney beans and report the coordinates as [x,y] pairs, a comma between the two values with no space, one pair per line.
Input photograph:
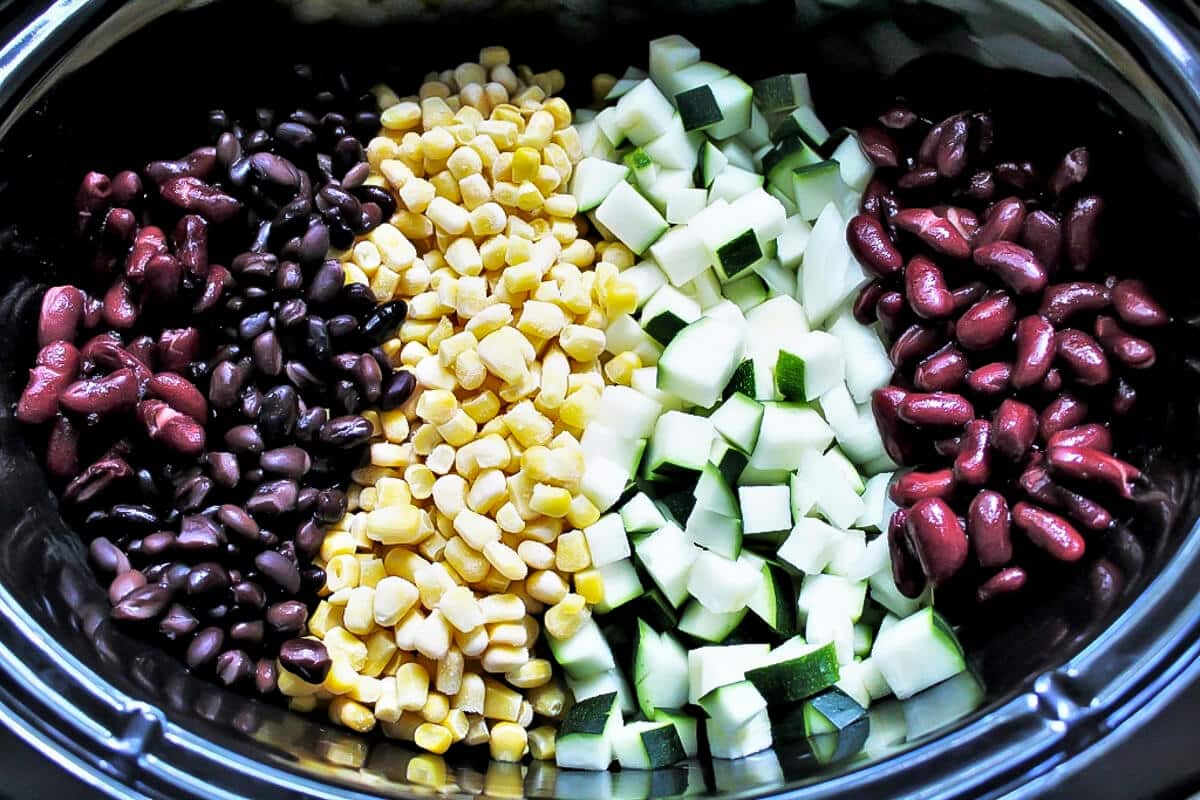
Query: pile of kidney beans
[1014,351]
[198,387]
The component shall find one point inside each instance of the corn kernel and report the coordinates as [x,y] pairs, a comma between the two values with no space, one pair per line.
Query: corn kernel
[434,738]
[412,686]
[507,743]
[437,705]
[549,700]
[394,525]
[571,552]
[546,586]
[501,702]
[353,715]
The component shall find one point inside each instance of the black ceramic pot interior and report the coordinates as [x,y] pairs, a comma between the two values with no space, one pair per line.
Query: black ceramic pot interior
[144,95]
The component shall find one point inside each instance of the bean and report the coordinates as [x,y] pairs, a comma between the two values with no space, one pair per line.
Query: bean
[177,431]
[208,577]
[369,377]
[198,533]
[1048,531]
[872,246]
[1036,347]
[1016,266]
[141,604]
[273,498]
[937,539]
[243,439]
[968,294]
[226,385]
[125,583]
[934,231]
[906,572]
[287,618]
[935,409]
[1003,222]
[62,448]
[92,197]
[879,201]
[988,523]
[115,392]
[879,146]
[119,309]
[1091,435]
[268,354]
[963,220]
[301,376]
[54,370]
[1071,171]
[234,666]
[948,446]
[150,241]
[913,486]
[273,169]
[99,476]
[898,118]
[1063,300]
[892,312]
[925,289]
[180,394]
[1124,397]
[249,595]
[1065,411]
[981,185]
[1089,465]
[952,148]
[990,379]
[1082,230]
[345,432]
[1042,234]
[1020,175]
[248,632]
[266,676]
[205,647]
[1086,512]
[927,151]
[1006,581]
[316,339]
[309,423]
[280,569]
[199,163]
[1083,356]
[194,195]
[177,623]
[381,324]
[985,324]
[306,658]
[1014,429]
[107,557]
[280,410]
[1131,351]
[61,315]
[973,462]
[864,303]
[331,505]
[291,462]
[916,342]
[1136,307]
[943,371]
[885,405]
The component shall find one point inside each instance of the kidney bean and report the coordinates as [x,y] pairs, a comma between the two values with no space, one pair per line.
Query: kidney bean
[62,448]
[105,395]
[54,371]
[1136,307]
[194,195]
[885,404]
[906,572]
[150,241]
[983,132]
[1016,266]
[1048,531]
[934,231]
[879,201]
[1014,429]
[892,312]
[988,523]
[987,322]
[1065,411]
[1035,481]
[1004,221]
[1042,234]
[935,409]
[864,303]
[1124,397]
[1091,435]
[913,486]
[1036,348]
[916,342]
[928,149]
[1083,356]
[199,163]
[990,379]
[964,221]
[973,462]
[119,309]
[1131,351]
[1007,581]
[898,118]
[61,315]
[1089,465]
[99,476]
[872,246]
[925,288]
[937,539]
[180,394]
[1021,175]
[305,658]
[176,347]
[92,197]
[1086,512]
[948,446]
[877,145]
[163,273]
[1081,231]
[1071,171]
[177,431]
[1063,300]
[942,371]
[191,244]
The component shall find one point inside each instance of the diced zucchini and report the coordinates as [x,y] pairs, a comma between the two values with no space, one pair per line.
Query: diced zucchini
[753,737]
[738,420]
[593,180]
[626,411]
[647,745]
[720,584]
[621,585]
[782,92]
[640,515]
[715,531]
[765,509]
[667,557]
[708,626]
[712,162]
[631,218]
[585,737]
[700,360]
[684,204]
[585,653]
[918,652]
[747,291]
[797,678]
[668,55]
[787,431]
[681,253]
[644,113]
[660,669]
[606,540]
[678,446]
[667,313]
[733,705]
[810,546]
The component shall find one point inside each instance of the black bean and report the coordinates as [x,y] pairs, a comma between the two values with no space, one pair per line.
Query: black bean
[289,277]
[204,647]
[229,149]
[347,153]
[398,390]
[107,557]
[158,543]
[305,658]
[174,577]
[344,362]
[291,312]
[279,569]
[355,176]
[327,282]
[252,399]
[253,475]
[295,135]
[357,299]
[291,462]
[223,467]
[225,385]
[136,517]
[341,325]
[273,498]
[288,617]
[191,494]
[206,578]
[177,622]
[346,431]
[237,520]
[308,424]
[142,604]
[268,355]
[254,324]
[249,595]
[314,244]
[244,439]
[348,397]
[316,339]
[254,266]
[369,377]
[198,533]
[266,676]
[331,505]
[384,321]
[377,195]
[251,632]
[239,171]
[280,409]
[125,583]
[309,536]
[258,140]
[275,169]
[307,499]
[301,376]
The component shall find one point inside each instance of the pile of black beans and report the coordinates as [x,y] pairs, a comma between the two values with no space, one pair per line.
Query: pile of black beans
[199,386]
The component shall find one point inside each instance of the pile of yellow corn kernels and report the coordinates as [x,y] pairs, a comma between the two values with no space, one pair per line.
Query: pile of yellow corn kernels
[463,536]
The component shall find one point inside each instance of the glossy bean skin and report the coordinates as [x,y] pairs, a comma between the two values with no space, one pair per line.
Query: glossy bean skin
[1036,349]
[1049,531]
[885,404]
[973,463]
[1014,429]
[1016,266]
[1093,435]
[1083,356]
[906,571]
[1084,510]
[937,539]
[942,371]
[1003,222]
[926,290]
[1064,411]
[54,370]
[987,322]
[1005,582]
[1081,231]
[913,486]
[916,342]
[1135,306]
[936,409]
[180,394]
[61,315]
[934,231]
[1089,465]
[106,395]
[1063,300]
[879,146]
[1131,351]
[869,241]
[988,524]
[1042,233]
[990,379]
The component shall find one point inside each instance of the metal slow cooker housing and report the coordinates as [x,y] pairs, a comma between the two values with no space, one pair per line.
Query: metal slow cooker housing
[104,84]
